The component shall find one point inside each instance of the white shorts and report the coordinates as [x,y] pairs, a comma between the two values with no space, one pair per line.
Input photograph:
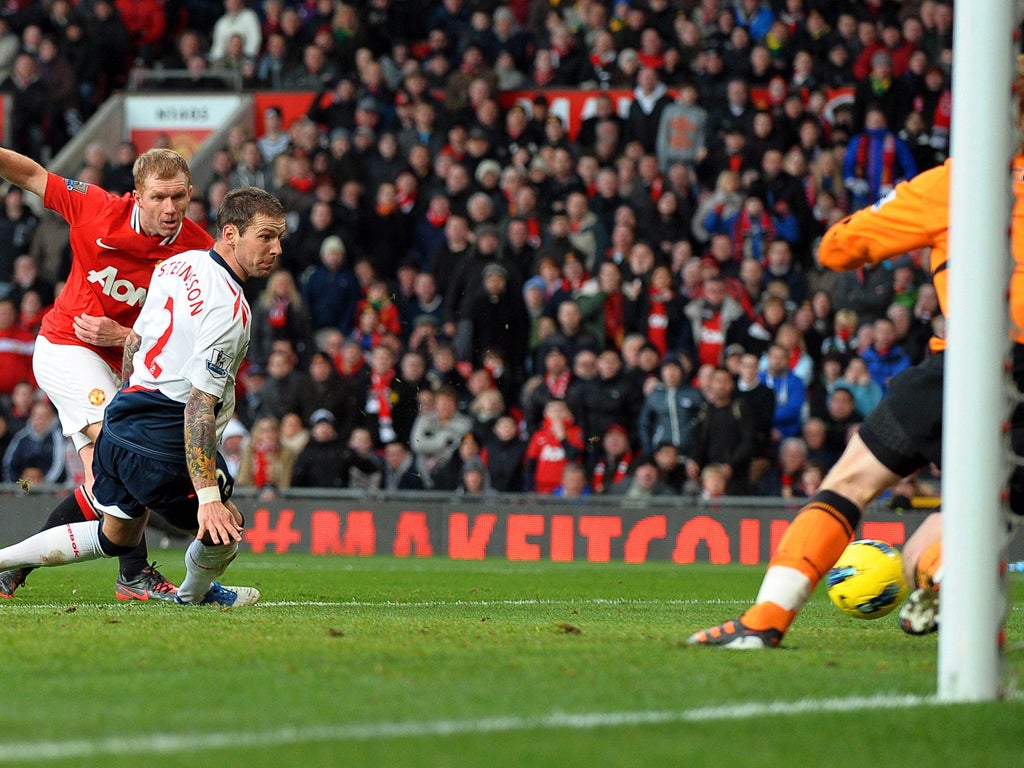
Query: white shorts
[78,382]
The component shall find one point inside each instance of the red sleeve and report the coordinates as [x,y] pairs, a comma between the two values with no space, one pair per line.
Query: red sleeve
[74,200]
[534,446]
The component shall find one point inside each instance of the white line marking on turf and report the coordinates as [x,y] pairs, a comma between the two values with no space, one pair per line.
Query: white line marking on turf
[489,603]
[414,605]
[403,603]
[167,743]
[526,602]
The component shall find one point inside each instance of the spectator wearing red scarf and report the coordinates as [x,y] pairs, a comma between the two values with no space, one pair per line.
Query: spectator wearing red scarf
[350,363]
[378,398]
[753,230]
[875,162]
[716,319]
[657,313]
[266,464]
[602,305]
[602,60]
[280,314]
[611,465]
[652,49]
[553,381]
[566,56]
[544,72]
[934,102]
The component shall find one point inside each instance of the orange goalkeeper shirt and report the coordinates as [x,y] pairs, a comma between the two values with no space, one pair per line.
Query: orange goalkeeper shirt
[916,215]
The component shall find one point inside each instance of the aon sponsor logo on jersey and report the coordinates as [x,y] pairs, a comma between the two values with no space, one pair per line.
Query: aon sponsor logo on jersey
[118,289]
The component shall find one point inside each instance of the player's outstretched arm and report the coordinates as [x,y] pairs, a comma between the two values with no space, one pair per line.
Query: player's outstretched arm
[909,217]
[217,523]
[22,171]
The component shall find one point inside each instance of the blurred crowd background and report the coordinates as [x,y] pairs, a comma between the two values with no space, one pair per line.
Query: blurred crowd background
[477,297]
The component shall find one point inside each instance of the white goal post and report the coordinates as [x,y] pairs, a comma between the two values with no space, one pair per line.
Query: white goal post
[975,401]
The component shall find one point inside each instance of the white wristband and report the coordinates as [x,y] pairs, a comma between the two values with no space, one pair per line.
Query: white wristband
[208,494]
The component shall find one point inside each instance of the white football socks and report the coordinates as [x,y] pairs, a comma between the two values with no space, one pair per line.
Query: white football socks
[64,544]
[785,586]
[203,566]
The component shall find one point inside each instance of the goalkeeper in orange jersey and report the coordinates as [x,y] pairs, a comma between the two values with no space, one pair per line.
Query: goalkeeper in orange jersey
[899,436]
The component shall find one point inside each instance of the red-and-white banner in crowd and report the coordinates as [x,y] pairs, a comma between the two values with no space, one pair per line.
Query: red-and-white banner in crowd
[573,106]
[292,105]
[182,121]
[185,122]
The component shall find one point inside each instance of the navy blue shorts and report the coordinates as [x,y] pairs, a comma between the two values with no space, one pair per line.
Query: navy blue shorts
[134,483]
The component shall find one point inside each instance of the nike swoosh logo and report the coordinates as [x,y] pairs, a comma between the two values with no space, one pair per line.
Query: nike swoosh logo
[101,244]
[125,593]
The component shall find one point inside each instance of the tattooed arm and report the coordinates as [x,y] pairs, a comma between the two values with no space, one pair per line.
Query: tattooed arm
[131,345]
[217,521]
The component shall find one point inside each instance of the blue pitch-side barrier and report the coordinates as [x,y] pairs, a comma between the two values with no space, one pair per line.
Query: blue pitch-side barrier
[526,527]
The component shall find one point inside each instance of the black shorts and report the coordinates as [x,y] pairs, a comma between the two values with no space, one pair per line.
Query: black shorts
[904,431]
[134,483]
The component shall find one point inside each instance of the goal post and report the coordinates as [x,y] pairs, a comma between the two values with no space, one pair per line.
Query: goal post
[975,401]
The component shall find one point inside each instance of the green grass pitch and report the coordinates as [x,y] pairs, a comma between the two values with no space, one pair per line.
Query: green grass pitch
[432,662]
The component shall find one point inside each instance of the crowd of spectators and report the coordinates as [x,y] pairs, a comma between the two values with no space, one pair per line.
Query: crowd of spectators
[472,297]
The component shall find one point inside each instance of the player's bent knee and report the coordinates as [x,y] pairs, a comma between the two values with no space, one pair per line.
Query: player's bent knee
[858,475]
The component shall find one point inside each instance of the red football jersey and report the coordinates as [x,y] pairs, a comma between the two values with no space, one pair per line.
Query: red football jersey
[550,455]
[113,260]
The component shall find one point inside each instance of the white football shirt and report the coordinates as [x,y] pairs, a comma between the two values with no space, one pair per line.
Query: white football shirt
[195,329]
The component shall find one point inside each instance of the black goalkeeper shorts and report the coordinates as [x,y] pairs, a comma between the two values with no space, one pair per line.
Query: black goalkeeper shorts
[904,431]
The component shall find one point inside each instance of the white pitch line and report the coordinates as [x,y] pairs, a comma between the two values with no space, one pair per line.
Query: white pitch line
[168,743]
[628,601]
[401,603]
[492,603]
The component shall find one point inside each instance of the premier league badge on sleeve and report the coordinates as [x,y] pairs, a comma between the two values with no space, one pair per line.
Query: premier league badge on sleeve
[218,363]
[74,185]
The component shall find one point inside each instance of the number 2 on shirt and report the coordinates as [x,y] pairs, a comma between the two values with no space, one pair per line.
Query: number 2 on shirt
[151,364]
